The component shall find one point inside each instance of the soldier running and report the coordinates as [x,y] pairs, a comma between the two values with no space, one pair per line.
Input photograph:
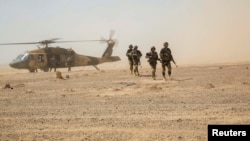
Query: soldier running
[152,59]
[130,59]
[166,58]
[136,55]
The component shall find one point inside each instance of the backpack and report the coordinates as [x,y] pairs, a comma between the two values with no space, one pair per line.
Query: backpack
[152,56]
[129,54]
[166,54]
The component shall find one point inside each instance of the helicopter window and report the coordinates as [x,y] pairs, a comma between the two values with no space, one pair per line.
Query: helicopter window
[41,58]
[25,56]
[19,57]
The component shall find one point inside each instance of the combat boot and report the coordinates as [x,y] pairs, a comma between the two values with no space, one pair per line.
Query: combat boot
[131,70]
[153,75]
[164,77]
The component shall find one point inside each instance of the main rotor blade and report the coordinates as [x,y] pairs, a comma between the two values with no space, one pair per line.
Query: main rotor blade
[49,42]
[78,41]
[54,38]
[20,43]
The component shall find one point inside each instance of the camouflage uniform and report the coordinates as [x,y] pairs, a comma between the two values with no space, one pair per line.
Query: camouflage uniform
[32,64]
[136,55]
[69,63]
[152,59]
[166,58]
[52,63]
[130,59]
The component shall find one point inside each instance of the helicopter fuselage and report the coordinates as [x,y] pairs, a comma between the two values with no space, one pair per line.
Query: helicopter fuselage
[41,59]
[57,57]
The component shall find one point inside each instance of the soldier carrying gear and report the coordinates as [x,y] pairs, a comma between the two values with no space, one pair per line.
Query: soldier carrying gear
[152,59]
[136,55]
[166,57]
[130,59]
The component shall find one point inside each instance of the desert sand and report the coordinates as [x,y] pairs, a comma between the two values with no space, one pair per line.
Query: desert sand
[113,105]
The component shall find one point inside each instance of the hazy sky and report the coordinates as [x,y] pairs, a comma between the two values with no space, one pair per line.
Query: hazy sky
[198,31]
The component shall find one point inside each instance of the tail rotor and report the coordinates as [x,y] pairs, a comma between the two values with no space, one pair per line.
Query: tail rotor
[111,43]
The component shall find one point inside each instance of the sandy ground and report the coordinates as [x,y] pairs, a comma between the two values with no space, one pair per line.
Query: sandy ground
[112,104]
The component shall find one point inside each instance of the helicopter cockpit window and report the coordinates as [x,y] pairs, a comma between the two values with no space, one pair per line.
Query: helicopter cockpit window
[41,57]
[25,56]
[19,57]
[22,57]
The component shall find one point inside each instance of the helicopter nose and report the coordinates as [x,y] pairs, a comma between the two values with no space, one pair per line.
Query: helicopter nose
[13,65]
[18,64]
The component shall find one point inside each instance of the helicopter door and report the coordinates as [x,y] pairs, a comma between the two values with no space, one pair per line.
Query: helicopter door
[42,61]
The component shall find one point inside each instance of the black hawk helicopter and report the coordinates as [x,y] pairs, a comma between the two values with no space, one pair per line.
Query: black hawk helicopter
[41,58]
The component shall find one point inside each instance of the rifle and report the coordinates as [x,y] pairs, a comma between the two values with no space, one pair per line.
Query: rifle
[175,64]
[159,60]
[171,60]
[149,55]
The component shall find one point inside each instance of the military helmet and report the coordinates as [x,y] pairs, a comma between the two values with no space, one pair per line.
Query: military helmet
[165,44]
[130,46]
[152,48]
[135,47]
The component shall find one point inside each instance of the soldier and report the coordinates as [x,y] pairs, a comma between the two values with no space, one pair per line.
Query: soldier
[69,63]
[32,63]
[166,58]
[136,55]
[130,59]
[152,59]
[53,62]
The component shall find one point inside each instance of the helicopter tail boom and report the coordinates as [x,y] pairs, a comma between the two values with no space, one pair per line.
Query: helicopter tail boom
[113,58]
